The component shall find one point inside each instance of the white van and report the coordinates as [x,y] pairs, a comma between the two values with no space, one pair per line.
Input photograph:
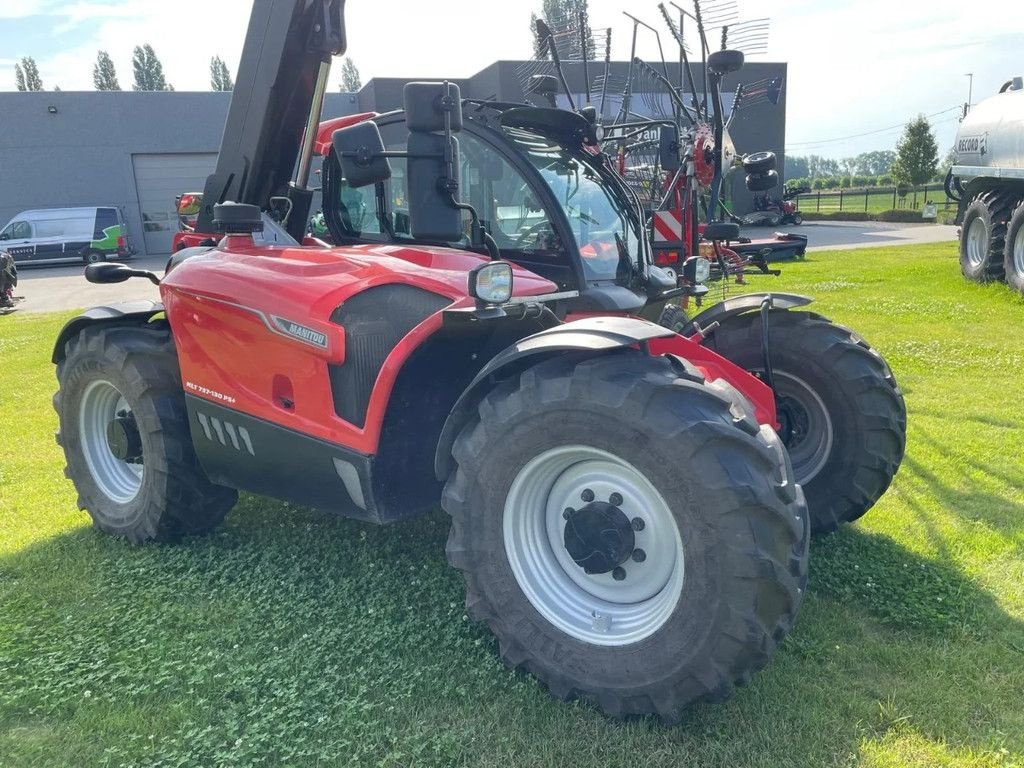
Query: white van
[66,234]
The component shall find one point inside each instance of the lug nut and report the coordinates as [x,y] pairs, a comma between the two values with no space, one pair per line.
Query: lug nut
[587,495]
[639,555]
[568,513]
[637,524]
[615,499]
[619,573]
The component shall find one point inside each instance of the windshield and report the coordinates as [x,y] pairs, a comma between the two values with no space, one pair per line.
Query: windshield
[598,216]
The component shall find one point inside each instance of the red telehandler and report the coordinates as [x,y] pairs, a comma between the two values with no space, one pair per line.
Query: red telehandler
[623,510]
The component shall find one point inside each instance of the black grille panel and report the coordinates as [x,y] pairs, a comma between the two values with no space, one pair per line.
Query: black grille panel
[374,322]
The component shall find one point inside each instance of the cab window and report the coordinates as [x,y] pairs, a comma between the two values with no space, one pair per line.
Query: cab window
[17,230]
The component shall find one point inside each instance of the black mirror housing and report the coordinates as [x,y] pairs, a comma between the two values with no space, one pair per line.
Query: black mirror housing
[360,152]
[433,214]
[428,104]
[668,148]
[103,273]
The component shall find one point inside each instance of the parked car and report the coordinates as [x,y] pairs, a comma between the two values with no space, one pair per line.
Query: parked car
[67,234]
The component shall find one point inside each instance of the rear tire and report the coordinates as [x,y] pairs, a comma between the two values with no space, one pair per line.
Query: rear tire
[983,236]
[1013,252]
[94,257]
[129,375]
[718,496]
[843,417]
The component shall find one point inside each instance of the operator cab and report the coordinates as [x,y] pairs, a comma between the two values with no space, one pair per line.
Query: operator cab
[551,208]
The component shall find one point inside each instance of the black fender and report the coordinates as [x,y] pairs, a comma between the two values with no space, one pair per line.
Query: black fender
[737,305]
[591,337]
[140,312]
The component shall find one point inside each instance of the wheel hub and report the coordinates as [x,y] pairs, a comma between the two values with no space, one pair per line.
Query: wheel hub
[599,537]
[123,438]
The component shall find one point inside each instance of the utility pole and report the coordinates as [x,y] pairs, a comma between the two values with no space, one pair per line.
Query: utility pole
[970,92]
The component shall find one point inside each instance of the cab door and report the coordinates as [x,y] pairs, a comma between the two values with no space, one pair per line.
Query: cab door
[17,239]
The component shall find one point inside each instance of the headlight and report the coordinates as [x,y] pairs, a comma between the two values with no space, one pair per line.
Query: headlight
[491,283]
[697,270]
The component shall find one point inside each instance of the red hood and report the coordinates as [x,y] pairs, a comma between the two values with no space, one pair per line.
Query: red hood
[313,281]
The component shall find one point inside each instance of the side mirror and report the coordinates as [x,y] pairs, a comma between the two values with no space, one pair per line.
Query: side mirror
[433,107]
[4,236]
[104,273]
[668,148]
[360,151]
[544,85]
[433,214]
[433,111]
[725,62]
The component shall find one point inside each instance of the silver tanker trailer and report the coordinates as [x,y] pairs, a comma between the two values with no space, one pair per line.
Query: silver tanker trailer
[988,183]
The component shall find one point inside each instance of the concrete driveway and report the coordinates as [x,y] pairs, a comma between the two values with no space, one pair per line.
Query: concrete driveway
[50,289]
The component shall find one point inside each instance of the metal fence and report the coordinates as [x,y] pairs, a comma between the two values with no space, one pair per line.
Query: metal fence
[875,199]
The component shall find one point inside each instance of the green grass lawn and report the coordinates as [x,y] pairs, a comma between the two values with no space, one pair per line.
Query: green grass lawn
[292,637]
[878,200]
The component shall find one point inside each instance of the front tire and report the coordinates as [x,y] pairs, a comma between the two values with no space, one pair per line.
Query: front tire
[843,417]
[681,606]
[126,440]
[1013,255]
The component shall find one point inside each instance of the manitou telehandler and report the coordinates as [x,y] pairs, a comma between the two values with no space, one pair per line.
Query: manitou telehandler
[623,509]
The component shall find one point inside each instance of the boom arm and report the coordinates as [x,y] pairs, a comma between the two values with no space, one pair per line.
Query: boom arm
[275,108]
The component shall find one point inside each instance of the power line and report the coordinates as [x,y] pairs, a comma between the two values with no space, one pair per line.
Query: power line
[866,133]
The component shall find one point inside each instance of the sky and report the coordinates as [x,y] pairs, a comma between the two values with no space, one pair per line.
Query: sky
[856,67]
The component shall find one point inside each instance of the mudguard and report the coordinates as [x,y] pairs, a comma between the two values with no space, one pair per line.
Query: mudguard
[129,311]
[738,305]
[597,335]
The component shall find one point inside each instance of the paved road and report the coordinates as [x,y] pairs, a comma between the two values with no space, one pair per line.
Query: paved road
[843,235]
[49,289]
[60,288]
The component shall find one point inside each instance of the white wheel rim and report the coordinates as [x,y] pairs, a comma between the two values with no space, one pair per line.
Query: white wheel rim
[977,242]
[1018,251]
[116,479]
[594,608]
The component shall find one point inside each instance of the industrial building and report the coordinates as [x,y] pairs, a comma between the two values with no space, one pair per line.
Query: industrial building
[139,150]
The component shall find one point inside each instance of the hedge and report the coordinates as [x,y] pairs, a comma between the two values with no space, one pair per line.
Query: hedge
[904,216]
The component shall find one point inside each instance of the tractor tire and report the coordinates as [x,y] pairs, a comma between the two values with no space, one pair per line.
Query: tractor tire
[683,489]
[674,318]
[983,236]
[125,434]
[843,418]
[798,219]
[760,162]
[1013,253]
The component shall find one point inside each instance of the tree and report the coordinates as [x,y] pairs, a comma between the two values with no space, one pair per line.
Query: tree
[566,18]
[350,80]
[149,72]
[220,77]
[917,154]
[797,168]
[26,73]
[104,78]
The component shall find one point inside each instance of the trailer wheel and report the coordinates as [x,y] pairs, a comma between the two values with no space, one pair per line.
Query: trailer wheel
[843,418]
[1013,258]
[126,440]
[983,236]
[629,532]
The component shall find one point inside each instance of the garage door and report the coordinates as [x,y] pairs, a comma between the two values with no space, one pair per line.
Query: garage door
[161,178]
